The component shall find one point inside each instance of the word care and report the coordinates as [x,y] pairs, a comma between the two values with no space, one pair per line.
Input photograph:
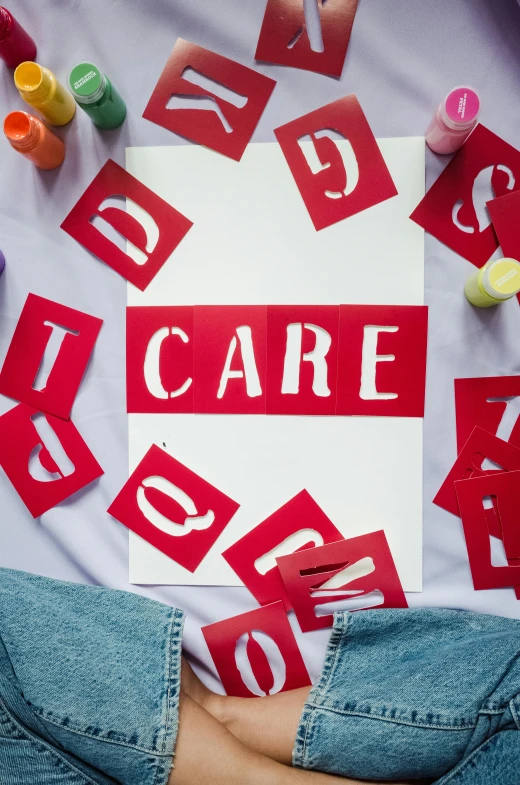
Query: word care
[277,359]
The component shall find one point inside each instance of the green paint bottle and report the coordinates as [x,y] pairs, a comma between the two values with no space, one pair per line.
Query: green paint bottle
[94,93]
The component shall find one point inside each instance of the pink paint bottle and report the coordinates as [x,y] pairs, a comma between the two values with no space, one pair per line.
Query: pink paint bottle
[454,120]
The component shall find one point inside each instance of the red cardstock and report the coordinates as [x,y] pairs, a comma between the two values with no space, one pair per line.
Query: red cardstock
[23,453]
[285,39]
[202,126]
[454,209]
[504,213]
[300,514]
[304,574]
[476,404]
[159,359]
[504,487]
[374,364]
[224,637]
[173,509]
[479,446]
[111,181]
[395,387]
[36,325]
[302,359]
[330,185]
[230,359]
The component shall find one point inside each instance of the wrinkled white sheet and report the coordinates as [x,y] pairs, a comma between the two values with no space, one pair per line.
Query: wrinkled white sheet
[403,57]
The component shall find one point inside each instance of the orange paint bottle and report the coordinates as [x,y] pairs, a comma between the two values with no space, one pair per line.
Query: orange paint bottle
[30,137]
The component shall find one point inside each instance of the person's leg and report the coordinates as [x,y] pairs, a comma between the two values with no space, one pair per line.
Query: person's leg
[266,725]
[208,754]
[256,734]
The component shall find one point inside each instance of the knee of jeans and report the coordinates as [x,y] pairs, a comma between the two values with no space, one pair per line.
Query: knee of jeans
[372,748]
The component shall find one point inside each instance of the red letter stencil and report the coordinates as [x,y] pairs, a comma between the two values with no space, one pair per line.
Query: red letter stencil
[492,403]
[230,359]
[302,359]
[170,226]
[480,445]
[504,488]
[49,334]
[44,457]
[388,343]
[335,161]
[504,213]
[357,567]
[288,36]
[300,523]
[159,359]
[173,509]
[455,211]
[220,359]
[190,75]
[256,653]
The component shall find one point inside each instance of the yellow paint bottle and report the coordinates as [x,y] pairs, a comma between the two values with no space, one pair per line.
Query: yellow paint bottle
[497,281]
[40,89]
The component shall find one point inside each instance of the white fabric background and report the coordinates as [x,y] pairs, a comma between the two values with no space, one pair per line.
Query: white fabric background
[404,56]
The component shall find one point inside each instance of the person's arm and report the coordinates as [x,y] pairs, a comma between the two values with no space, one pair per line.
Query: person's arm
[209,754]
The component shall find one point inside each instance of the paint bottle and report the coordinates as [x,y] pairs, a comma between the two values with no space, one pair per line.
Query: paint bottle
[94,92]
[454,120]
[40,89]
[30,137]
[497,281]
[2,263]
[15,44]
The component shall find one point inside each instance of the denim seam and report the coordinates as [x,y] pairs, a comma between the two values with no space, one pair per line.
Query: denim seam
[47,718]
[301,747]
[393,721]
[514,712]
[49,748]
[11,727]
[172,696]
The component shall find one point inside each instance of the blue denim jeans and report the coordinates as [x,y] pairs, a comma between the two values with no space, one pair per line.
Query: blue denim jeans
[90,681]
[406,694]
[89,684]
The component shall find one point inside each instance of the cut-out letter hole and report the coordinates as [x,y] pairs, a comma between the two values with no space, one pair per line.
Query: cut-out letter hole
[172,508]
[289,36]
[299,524]
[170,225]
[230,126]
[491,403]
[455,208]
[325,150]
[334,572]
[230,359]
[382,360]
[52,335]
[159,359]
[44,457]
[256,653]
[505,487]
[480,445]
[302,359]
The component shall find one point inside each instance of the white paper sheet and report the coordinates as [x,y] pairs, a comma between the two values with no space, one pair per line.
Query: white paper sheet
[253,243]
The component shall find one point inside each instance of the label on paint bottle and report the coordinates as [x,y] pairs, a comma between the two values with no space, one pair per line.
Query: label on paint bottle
[462,106]
[87,83]
[502,279]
